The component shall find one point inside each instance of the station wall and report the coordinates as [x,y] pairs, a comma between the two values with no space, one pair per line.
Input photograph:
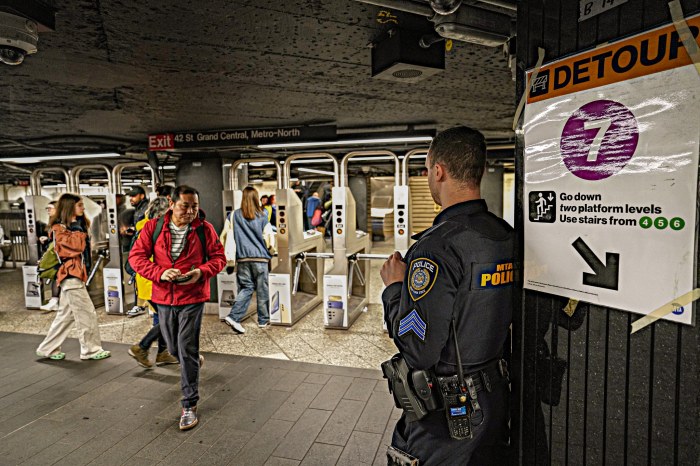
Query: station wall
[586,391]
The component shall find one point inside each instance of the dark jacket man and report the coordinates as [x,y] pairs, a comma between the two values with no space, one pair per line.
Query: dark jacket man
[459,272]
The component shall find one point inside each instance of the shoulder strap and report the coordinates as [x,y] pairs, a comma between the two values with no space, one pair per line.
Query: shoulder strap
[158,229]
[202,239]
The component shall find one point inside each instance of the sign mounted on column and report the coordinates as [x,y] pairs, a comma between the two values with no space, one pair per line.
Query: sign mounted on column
[611,155]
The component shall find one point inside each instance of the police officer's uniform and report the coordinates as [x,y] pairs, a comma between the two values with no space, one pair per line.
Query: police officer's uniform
[463,267]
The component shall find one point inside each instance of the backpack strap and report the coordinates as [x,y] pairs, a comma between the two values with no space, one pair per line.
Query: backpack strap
[158,229]
[203,239]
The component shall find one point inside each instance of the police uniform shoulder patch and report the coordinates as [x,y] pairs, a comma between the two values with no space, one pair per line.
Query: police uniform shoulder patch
[413,323]
[422,274]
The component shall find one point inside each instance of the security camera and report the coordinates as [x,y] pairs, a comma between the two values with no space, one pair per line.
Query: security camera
[18,38]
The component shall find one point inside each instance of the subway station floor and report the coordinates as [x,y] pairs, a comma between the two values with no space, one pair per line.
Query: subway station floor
[279,396]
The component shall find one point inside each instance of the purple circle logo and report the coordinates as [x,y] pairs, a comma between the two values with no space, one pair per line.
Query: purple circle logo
[599,139]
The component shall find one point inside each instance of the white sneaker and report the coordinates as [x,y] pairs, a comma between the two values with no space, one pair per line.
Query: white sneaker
[264,326]
[51,306]
[135,311]
[236,326]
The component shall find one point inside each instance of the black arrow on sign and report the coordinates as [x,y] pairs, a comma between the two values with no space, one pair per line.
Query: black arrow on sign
[604,275]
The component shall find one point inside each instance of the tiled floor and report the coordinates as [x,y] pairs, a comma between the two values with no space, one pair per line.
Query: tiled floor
[280,396]
[364,345]
[253,411]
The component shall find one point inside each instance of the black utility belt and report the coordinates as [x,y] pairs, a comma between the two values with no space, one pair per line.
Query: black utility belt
[419,392]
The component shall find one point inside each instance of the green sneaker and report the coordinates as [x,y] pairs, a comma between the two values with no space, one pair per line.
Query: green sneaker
[141,356]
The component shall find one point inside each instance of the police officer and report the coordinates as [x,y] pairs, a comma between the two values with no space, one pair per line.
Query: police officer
[461,268]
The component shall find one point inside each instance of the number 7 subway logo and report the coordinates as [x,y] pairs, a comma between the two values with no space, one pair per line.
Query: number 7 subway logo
[599,139]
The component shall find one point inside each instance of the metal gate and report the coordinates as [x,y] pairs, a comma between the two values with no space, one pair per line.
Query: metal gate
[15,226]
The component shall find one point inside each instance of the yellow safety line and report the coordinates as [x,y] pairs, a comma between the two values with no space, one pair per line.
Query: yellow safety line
[666,309]
[533,77]
[684,32]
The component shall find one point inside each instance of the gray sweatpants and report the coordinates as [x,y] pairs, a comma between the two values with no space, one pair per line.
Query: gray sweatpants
[180,326]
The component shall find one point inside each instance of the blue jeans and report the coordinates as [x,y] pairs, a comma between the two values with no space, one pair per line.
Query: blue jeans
[251,277]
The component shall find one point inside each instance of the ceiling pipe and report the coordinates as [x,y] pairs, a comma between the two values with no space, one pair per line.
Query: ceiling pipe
[502,3]
[423,9]
[409,6]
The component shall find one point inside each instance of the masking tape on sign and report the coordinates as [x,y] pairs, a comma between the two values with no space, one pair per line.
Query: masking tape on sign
[666,309]
[570,307]
[533,78]
[684,33]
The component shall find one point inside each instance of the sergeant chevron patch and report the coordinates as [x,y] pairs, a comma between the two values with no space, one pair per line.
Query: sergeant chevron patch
[421,277]
[413,322]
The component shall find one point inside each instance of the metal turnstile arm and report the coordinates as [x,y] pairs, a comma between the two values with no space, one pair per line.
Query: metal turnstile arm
[301,263]
[102,255]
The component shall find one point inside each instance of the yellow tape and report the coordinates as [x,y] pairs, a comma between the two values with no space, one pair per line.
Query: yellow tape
[533,77]
[666,309]
[570,307]
[684,33]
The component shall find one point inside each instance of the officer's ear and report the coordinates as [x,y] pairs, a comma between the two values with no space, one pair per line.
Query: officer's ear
[440,172]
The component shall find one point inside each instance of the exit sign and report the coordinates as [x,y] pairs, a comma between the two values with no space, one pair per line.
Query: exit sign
[161,142]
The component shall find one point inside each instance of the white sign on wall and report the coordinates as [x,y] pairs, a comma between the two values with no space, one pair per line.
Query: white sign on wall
[611,157]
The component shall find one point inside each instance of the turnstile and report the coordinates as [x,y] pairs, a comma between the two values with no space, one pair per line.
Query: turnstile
[227,285]
[119,289]
[296,283]
[35,215]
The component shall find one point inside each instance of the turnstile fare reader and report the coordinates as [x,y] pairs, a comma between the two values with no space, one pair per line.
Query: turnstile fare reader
[118,287]
[226,284]
[295,284]
[346,286]
[35,211]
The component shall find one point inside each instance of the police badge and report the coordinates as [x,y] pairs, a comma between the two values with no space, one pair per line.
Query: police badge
[421,277]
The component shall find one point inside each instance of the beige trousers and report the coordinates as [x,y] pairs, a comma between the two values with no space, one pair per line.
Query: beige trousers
[76,306]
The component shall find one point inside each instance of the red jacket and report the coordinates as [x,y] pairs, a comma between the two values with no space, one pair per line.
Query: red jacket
[192,256]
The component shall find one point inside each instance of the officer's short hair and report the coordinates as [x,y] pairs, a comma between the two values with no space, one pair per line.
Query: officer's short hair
[462,151]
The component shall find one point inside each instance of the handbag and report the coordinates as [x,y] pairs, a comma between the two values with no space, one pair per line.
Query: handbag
[317,218]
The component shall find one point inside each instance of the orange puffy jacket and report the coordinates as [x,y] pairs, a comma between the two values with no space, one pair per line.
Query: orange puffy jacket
[69,248]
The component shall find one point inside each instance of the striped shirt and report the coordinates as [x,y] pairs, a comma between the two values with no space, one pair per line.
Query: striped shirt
[178,236]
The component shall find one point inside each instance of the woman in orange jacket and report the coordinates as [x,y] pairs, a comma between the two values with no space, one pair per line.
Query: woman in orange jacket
[69,227]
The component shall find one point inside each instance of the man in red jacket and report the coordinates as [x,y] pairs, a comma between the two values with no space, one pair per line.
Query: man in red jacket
[180,273]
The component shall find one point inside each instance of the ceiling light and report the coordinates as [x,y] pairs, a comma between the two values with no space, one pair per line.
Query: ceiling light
[347,142]
[45,158]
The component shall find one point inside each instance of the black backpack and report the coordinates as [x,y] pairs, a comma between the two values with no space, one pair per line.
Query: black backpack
[156,233]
